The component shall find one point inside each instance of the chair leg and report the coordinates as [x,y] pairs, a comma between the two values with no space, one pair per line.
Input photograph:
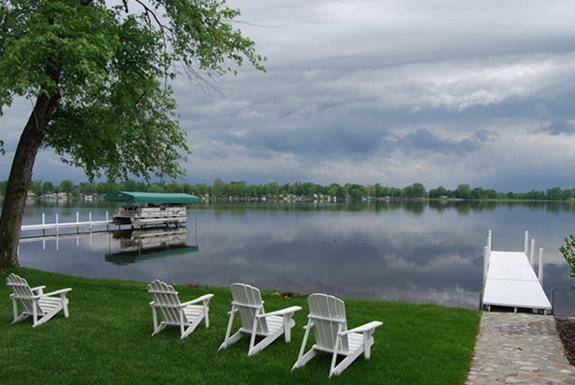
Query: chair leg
[206,315]
[157,328]
[253,337]
[34,314]
[190,328]
[304,359]
[288,324]
[263,343]
[17,318]
[181,320]
[65,305]
[336,370]
[364,348]
[20,317]
[230,340]
[45,317]
[367,342]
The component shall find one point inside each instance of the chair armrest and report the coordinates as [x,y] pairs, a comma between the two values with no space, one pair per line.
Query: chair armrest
[363,328]
[39,289]
[57,292]
[205,297]
[153,304]
[287,310]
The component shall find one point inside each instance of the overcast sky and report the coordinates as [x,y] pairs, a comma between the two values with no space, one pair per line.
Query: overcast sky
[392,92]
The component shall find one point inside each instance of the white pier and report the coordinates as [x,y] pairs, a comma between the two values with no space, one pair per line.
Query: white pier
[510,281]
[87,226]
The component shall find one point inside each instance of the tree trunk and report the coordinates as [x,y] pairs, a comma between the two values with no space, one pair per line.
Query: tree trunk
[20,178]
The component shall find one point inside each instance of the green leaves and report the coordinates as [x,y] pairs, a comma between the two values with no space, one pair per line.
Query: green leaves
[108,67]
[568,251]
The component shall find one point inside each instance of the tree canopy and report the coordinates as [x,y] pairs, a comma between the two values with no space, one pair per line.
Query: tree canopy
[242,191]
[108,67]
[98,75]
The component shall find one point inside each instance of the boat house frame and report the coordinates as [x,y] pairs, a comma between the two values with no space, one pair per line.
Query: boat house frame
[141,209]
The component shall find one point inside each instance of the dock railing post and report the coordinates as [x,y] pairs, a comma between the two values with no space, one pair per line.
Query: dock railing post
[541,266]
[532,254]
[486,253]
[526,247]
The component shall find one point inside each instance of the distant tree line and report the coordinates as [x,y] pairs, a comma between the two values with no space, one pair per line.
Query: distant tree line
[237,190]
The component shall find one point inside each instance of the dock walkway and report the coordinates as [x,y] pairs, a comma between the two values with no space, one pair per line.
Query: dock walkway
[510,281]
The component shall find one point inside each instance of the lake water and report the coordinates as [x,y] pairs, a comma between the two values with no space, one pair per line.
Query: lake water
[412,251]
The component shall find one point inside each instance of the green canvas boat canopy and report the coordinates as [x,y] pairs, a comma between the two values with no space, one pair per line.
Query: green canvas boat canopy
[146,197]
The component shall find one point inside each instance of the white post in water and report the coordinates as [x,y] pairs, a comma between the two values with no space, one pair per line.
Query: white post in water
[56,225]
[77,221]
[532,254]
[526,247]
[90,221]
[541,266]
[43,223]
[486,256]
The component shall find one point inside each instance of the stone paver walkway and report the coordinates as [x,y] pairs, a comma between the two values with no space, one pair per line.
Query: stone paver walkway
[519,349]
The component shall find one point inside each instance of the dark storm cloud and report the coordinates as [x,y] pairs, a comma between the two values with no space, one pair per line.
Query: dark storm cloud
[427,141]
[314,143]
[558,128]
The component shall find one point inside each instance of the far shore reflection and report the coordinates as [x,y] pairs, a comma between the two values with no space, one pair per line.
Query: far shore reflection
[138,245]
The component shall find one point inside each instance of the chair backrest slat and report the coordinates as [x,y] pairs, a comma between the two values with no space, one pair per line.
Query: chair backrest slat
[22,292]
[248,301]
[328,316]
[166,299]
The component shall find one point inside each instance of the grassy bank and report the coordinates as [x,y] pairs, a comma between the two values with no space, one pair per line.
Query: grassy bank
[107,340]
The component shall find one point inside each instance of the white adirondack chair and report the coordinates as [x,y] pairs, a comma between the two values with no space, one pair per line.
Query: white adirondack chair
[185,315]
[247,301]
[34,302]
[328,321]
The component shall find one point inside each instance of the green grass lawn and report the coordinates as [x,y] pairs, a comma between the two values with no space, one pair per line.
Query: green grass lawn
[107,340]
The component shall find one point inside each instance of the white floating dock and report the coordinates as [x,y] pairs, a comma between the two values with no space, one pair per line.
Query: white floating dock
[510,281]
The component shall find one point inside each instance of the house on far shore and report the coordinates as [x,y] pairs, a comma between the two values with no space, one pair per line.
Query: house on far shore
[56,196]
